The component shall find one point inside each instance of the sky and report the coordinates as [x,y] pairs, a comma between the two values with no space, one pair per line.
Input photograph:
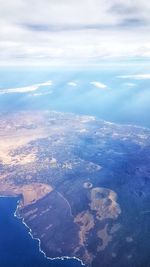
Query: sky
[73,31]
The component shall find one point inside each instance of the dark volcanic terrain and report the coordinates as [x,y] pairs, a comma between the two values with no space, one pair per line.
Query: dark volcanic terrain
[83,185]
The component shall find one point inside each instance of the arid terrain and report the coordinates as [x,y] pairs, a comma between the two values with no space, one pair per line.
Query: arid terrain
[82,183]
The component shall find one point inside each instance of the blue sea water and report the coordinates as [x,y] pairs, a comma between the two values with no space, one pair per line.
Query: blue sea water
[17,248]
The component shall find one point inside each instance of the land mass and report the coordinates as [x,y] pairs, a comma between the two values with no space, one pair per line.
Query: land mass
[83,185]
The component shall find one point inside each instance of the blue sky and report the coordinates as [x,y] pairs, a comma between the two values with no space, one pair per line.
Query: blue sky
[59,32]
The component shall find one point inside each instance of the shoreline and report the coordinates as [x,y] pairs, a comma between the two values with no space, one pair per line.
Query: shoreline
[34,238]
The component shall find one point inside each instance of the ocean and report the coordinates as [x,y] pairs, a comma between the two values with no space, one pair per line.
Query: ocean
[17,248]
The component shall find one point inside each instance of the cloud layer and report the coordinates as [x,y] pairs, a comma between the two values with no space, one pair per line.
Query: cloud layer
[34,87]
[73,31]
[136,76]
[26,89]
[99,84]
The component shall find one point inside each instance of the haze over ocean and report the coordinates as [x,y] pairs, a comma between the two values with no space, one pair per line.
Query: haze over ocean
[113,93]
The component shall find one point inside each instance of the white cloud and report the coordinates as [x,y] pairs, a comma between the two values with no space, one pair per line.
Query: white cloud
[130,84]
[99,84]
[136,76]
[26,89]
[41,94]
[72,84]
[73,31]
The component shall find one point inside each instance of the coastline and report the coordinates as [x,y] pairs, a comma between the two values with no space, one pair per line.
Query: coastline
[39,241]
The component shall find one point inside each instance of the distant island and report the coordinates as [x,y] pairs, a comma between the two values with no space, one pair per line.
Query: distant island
[83,185]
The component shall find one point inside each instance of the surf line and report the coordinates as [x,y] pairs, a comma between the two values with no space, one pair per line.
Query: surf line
[39,241]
